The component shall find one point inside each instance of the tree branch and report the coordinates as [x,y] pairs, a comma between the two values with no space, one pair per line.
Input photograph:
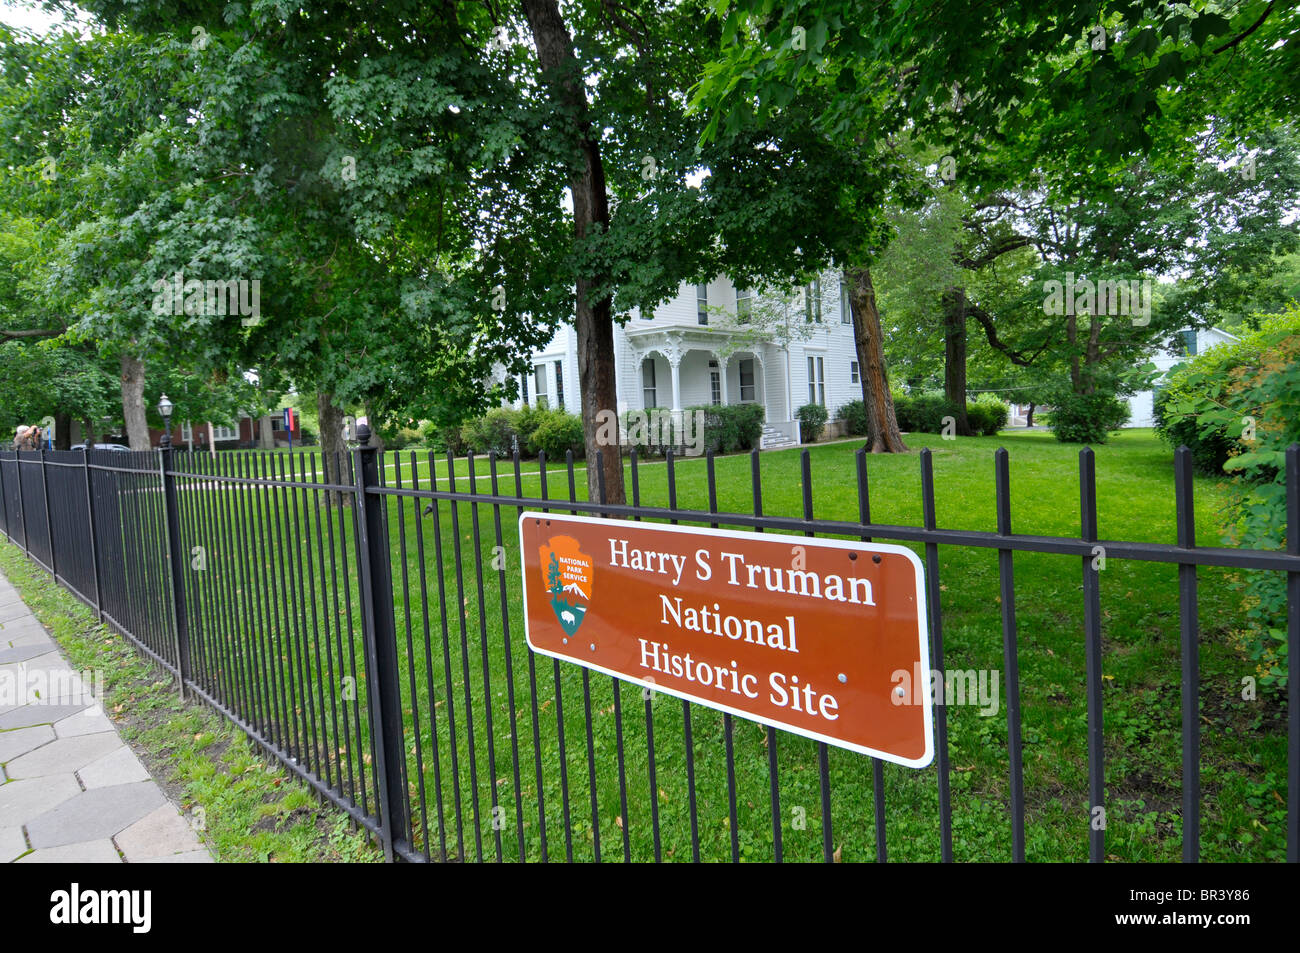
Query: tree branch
[986,322]
[8,335]
[1251,29]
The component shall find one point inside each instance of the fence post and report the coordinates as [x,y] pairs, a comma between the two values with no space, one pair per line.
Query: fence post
[94,543]
[176,564]
[22,509]
[379,633]
[49,527]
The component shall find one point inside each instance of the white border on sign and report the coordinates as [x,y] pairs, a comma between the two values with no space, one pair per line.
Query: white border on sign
[921,622]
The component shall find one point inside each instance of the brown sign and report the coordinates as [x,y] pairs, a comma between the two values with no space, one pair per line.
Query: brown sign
[809,635]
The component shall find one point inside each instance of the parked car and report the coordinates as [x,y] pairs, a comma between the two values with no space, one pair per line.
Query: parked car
[103,446]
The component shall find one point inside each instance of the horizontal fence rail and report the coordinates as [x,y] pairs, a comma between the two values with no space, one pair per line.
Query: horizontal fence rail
[359,616]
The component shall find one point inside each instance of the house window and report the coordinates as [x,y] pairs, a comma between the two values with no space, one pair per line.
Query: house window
[715,386]
[854,375]
[816,380]
[702,303]
[187,432]
[648,382]
[523,386]
[539,373]
[747,379]
[812,301]
[846,309]
[744,304]
[559,384]
[277,423]
[1189,343]
[224,433]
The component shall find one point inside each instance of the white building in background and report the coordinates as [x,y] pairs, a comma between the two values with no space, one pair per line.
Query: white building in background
[1185,344]
[673,359]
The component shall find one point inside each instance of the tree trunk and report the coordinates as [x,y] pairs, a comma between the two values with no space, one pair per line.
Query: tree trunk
[332,447]
[594,320]
[1072,335]
[882,424]
[88,433]
[1029,416]
[954,356]
[62,431]
[133,416]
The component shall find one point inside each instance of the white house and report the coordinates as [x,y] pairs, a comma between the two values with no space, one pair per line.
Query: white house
[1184,344]
[678,357]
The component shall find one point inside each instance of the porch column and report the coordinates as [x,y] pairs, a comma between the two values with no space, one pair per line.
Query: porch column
[674,364]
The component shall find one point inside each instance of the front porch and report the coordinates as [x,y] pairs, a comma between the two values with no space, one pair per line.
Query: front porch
[673,370]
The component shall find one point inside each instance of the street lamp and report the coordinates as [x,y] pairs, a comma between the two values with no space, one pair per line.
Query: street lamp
[165,407]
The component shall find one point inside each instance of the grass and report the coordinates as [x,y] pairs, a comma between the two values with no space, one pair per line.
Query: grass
[244,805]
[462,660]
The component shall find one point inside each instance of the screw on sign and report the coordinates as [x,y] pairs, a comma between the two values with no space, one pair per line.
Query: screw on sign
[726,620]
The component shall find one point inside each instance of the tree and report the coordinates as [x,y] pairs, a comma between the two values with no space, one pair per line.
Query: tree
[869,338]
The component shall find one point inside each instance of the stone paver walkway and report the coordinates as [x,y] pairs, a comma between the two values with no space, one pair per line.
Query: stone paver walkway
[71,791]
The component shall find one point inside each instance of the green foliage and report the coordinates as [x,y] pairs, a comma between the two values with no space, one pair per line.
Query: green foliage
[1188,408]
[529,421]
[1238,405]
[559,433]
[732,428]
[987,415]
[403,437]
[812,421]
[443,437]
[922,413]
[502,429]
[854,414]
[495,433]
[1086,418]
[652,434]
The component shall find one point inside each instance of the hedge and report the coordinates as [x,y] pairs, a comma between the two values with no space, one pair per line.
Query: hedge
[812,421]
[924,413]
[1246,396]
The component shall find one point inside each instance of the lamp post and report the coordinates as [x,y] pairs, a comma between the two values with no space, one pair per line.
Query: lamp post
[171,510]
[165,408]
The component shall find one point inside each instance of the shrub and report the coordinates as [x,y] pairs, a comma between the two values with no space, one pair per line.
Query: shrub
[1201,384]
[1210,446]
[987,415]
[727,429]
[854,415]
[494,433]
[526,423]
[812,421]
[1247,395]
[740,427]
[643,430]
[444,438]
[1086,418]
[559,433]
[923,413]
[401,438]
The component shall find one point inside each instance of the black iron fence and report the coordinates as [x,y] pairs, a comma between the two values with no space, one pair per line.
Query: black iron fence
[360,620]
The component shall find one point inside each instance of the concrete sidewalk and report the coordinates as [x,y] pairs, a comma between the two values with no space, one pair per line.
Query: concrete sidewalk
[71,791]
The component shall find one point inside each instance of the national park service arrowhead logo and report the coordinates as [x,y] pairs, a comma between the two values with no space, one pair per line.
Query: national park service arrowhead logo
[569,574]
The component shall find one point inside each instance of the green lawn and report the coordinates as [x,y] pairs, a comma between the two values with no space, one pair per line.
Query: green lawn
[242,805]
[453,668]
